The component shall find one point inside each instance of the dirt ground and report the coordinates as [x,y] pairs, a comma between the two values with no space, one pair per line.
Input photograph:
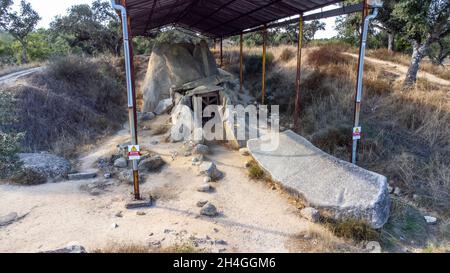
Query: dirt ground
[253,217]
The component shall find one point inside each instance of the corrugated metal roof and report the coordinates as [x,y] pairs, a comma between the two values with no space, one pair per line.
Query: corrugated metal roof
[214,18]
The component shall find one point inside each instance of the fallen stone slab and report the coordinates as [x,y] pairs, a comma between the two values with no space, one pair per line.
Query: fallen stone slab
[73,248]
[82,176]
[139,204]
[333,186]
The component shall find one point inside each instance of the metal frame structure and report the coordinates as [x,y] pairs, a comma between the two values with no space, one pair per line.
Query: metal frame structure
[228,18]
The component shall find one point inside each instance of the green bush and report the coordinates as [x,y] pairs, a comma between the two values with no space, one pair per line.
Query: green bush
[9,141]
[253,63]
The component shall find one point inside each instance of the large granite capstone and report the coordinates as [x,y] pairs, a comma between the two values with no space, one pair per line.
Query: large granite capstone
[329,184]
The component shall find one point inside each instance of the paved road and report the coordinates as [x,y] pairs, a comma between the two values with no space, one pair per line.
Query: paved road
[16,75]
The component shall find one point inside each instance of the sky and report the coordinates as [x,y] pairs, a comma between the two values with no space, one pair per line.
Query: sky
[48,9]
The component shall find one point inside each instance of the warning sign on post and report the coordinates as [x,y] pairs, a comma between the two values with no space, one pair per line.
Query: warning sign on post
[134,152]
[356,133]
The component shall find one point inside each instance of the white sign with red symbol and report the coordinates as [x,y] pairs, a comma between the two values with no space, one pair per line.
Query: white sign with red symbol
[356,133]
[134,152]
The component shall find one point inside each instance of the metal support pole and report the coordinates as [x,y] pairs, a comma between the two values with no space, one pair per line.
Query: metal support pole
[359,80]
[298,79]
[129,69]
[263,91]
[241,63]
[221,52]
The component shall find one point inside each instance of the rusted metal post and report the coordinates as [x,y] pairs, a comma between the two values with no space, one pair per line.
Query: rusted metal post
[131,87]
[359,80]
[221,52]
[263,91]
[299,73]
[241,63]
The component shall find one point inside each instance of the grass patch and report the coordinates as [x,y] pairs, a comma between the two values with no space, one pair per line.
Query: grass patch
[356,230]
[255,171]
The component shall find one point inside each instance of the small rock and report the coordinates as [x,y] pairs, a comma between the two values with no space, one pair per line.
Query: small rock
[311,214]
[215,230]
[155,244]
[430,220]
[73,248]
[204,188]
[107,175]
[209,169]
[146,128]
[373,247]
[207,179]
[201,149]
[140,213]
[120,163]
[397,191]
[114,226]
[248,163]
[220,242]
[209,210]
[8,219]
[154,142]
[119,214]
[201,203]
[416,197]
[390,189]
[244,152]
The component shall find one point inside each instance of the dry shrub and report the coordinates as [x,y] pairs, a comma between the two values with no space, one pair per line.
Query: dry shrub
[71,103]
[327,55]
[352,229]
[29,177]
[286,55]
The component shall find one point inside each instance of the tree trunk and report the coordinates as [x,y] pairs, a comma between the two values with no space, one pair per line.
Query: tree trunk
[24,53]
[390,42]
[417,56]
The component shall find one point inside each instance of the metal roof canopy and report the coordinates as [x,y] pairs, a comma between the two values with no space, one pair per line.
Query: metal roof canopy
[214,18]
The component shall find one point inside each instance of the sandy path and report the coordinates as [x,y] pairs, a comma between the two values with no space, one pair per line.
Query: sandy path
[401,70]
[253,217]
[19,74]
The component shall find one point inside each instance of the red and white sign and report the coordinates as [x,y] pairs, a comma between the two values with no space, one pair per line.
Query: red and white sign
[134,152]
[357,133]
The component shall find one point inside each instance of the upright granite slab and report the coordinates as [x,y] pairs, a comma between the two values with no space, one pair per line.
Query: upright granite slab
[329,184]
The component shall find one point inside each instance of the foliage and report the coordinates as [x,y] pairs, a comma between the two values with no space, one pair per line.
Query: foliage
[89,29]
[19,25]
[253,63]
[9,141]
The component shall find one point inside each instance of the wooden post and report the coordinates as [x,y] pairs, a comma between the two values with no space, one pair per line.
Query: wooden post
[299,73]
[263,93]
[221,52]
[241,63]
[359,78]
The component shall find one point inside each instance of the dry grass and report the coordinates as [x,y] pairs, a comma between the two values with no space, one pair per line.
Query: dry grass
[395,57]
[72,103]
[406,133]
[135,249]
[255,171]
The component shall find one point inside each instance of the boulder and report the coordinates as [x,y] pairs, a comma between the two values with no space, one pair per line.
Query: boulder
[163,106]
[169,65]
[121,163]
[203,55]
[337,187]
[150,164]
[53,167]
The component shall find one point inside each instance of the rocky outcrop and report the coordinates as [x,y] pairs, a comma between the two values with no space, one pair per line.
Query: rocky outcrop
[335,187]
[169,65]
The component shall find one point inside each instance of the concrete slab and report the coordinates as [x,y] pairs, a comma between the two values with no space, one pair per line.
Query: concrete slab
[323,181]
